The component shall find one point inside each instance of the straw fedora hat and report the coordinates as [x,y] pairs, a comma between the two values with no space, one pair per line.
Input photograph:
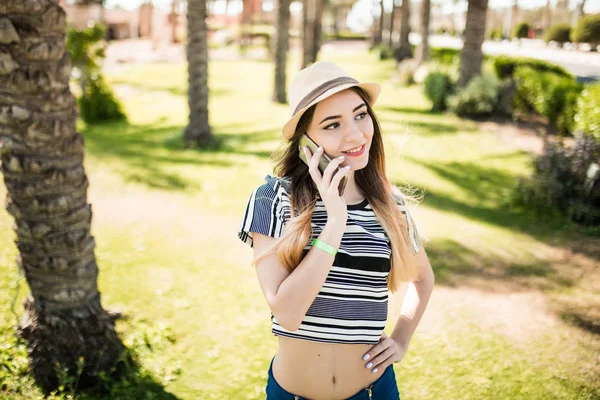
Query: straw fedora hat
[317,82]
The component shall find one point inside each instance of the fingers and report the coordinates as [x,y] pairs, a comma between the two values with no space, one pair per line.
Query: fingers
[377,363]
[313,164]
[335,181]
[330,170]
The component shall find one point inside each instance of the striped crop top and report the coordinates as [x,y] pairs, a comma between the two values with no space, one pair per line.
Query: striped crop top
[352,304]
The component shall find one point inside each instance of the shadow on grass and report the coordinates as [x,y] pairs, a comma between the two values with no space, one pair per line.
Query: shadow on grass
[150,151]
[130,383]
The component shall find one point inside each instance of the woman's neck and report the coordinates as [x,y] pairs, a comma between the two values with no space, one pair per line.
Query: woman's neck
[352,194]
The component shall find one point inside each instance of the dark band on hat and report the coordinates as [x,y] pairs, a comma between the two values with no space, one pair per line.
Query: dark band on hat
[319,90]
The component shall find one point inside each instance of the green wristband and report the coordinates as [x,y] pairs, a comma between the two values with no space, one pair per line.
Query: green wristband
[325,247]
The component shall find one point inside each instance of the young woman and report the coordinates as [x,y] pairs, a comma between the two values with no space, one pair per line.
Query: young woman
[325,262]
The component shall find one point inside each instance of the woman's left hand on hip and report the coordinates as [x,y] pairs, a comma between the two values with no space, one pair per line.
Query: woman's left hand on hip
[384,354]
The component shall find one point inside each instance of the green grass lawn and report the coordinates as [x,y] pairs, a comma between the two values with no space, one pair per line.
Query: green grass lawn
[500,321]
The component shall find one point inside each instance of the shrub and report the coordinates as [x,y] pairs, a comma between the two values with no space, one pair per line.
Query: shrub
[97,102]
[587,30]
[505,66]
[521,31]
[478,98]
[560,182]
[438,86]
[559,33]
[587,118]
[550,95]
[496,34]
[385,52]
[444,55]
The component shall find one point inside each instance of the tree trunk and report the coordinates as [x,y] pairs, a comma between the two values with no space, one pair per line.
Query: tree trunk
[41,158]
[318,26]
[308,31]
[404,50]
[423,49]
[198,132]
[174,19]
[281,50]
[336,15]
[379,38]
[392,20]
[548,16]
[471,55]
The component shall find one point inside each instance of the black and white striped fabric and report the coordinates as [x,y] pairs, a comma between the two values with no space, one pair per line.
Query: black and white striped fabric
[352,305]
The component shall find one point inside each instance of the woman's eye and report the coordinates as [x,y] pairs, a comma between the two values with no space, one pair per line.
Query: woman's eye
[362,115]
[335,125]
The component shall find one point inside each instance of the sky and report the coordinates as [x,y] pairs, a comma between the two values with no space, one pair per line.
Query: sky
[360,17]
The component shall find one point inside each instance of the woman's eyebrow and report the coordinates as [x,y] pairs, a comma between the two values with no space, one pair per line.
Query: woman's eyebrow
[339,116]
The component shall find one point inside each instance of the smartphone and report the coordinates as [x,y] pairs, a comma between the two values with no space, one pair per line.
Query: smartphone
[323,162]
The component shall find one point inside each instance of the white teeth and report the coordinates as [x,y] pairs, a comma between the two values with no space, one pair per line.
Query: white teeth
[356,150]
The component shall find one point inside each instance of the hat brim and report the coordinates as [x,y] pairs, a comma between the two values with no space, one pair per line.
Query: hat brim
[372,89]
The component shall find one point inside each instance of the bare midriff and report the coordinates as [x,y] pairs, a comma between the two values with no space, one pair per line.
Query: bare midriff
[322,371]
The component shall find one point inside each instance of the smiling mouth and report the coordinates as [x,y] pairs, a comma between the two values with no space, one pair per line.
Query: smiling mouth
[354,150]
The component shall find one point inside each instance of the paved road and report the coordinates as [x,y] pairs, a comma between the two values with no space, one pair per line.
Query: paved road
[584,64]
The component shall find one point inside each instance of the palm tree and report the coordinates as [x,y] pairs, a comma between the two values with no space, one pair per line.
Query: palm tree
[198,132]
[471,55]
[308,31]
[41,157]
[379,35]
[281,50]
[404,50]
[392,20]
[318,27]
[423,49]
[548,16]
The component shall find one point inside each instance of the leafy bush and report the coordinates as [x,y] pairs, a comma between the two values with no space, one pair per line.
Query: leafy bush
[587,30]
[478,98]
[550,95]
[98,103]
[505,66]
[438,87]
[521,31]
[559,33]
[496,34]
[560,182]
[444,55]
[587,118]
[385,52]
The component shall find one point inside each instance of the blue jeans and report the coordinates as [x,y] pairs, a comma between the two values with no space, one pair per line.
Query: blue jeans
[384,388]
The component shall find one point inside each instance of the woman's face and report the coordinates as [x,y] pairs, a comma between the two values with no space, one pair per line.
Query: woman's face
[342,125]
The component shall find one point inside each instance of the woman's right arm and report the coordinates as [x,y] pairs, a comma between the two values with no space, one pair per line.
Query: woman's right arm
[290,295]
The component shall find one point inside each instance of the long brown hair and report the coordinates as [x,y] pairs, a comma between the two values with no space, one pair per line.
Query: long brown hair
[373,183]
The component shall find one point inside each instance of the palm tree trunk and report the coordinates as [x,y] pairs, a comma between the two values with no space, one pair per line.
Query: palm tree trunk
[392,20]
[198,132]
[308,31]
[41,159]
[548,16]
[379,38]
[423,50]
[471,55]
[281,50]
[404,50]
[318,26]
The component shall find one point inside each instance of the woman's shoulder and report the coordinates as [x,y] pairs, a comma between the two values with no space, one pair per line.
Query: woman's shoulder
[274,187]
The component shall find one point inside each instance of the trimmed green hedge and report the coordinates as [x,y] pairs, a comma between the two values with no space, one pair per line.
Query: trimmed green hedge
[549,94]
[587,118]
[438,86]
[560,33]
[479,98]
[521,31]
[505,66]
[587,30]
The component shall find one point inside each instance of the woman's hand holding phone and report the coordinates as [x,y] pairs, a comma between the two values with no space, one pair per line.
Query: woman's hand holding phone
[328,183]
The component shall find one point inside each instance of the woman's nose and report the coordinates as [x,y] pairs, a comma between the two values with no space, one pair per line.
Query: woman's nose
[352,133]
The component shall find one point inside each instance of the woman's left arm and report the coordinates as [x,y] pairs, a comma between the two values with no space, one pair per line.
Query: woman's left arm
[393,348]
